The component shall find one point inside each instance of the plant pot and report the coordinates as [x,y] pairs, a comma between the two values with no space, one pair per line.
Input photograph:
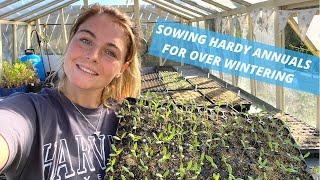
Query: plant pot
[8,91]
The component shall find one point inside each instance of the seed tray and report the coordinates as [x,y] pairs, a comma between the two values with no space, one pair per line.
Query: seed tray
[193,72]
[152,85]
[220,96]
[163,97]
[306,136]
[165,68]
[148,70]
[169,76]
[231,140]
[174,81]
[150,76]
[203,83]
[189,97]
[178,84]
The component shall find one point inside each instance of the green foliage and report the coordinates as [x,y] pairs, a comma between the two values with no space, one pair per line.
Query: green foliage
[293,42]
[17,74]
[165,141]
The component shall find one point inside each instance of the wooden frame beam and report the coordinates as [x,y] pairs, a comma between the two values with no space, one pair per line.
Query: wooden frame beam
[302,5]
[307,41]
[15,42]
[7,3]
[318,113]
[242,2]
[37,10]
[63,26]
[13,22]
[29,30]
[0,50]
[161,2]
[223,7]
[198,6]
[253,83]
[264,4]
[20,8]
[136,10]
[52,10]
[279,37]
[169,10]
[187,8]
[86,3]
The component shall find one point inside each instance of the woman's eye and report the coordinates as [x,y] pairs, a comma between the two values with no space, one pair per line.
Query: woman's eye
[85,41]
[110,53]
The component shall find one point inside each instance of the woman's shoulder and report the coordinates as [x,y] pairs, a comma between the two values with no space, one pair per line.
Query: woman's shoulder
[44,96]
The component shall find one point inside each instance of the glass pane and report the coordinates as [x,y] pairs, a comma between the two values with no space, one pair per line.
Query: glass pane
[29,9]
[301,105]
[13,6]
[22,40]
[45,10]
[6,35]
[255,1]
[210,6]
[228,3]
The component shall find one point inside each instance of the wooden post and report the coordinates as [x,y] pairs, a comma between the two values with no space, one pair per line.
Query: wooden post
[38,27]
[29,29]
[136,10]
[235,78]
[85,3]
[253,83]
[0,50]
[279,42]
[15,43]
[64,30]
[318,113]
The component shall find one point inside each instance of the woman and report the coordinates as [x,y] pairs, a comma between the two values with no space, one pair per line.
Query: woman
[65,133]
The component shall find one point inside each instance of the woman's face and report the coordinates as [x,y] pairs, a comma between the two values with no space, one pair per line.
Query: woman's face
[96,53]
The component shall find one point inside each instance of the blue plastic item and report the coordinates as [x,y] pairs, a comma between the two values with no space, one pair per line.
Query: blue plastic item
[8,91]
[37,63]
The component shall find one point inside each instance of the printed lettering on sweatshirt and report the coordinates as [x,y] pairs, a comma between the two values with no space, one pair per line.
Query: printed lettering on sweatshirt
[88,157]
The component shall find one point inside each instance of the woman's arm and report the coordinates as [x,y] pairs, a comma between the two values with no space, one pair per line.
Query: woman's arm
[4,152]
[17,129]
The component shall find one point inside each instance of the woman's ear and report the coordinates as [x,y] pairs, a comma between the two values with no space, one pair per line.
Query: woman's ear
[125,66]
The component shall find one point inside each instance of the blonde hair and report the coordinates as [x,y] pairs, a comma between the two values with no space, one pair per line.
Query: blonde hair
[129,83]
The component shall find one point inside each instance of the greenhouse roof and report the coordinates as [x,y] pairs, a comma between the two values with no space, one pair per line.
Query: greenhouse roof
[28,10]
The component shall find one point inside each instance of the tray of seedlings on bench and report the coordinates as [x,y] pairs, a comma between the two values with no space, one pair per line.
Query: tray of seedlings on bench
[306,136]
[162,98]
[223,96]
[174,143]
[203,82]
[190,71]
[149,76]
[189,98]
[152,85]
[150,80]
[174,81]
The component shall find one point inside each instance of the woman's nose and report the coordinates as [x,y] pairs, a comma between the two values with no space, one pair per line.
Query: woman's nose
[93,54]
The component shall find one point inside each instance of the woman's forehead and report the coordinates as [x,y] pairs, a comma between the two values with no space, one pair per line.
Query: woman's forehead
[103,26]
[102,22]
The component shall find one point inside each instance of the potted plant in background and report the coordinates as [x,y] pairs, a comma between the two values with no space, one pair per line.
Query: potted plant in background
[15,77]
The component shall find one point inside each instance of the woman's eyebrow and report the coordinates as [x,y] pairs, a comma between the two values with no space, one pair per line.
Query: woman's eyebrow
[113,45]
[87,31]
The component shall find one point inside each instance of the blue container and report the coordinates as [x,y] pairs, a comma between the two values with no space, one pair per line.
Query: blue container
[8,91]
[37,63]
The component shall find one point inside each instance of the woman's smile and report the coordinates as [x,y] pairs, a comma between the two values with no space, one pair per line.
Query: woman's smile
[87,70]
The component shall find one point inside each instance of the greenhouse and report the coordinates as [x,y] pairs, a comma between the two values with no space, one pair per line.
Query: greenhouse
[197,89]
